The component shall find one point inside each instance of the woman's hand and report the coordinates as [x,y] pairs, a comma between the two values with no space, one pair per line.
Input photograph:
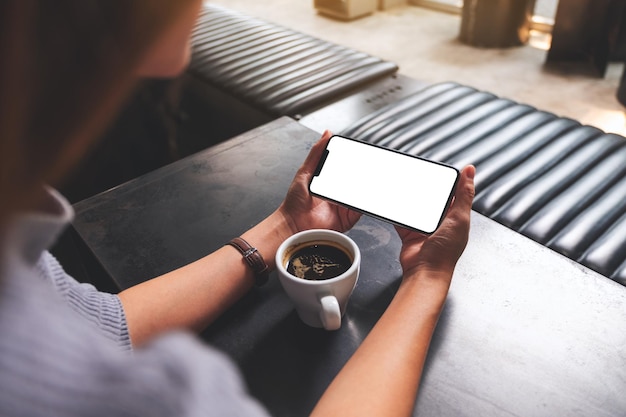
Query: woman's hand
[303,211]
[393,369]
[202,290]
[440,251]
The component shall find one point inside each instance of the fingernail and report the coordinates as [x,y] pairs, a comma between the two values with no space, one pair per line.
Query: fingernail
[471,172]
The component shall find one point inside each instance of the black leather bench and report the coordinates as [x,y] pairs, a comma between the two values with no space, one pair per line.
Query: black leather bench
[246,71]
[279,71]
[550,178]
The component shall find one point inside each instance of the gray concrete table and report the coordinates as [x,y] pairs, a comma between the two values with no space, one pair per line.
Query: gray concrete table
[525,331]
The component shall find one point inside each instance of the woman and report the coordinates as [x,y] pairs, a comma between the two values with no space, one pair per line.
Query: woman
[65,348]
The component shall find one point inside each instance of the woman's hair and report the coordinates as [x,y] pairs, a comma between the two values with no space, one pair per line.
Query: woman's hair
[66,68]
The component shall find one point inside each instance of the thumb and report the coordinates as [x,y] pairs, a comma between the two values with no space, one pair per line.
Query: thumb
[464,193]
[310,163]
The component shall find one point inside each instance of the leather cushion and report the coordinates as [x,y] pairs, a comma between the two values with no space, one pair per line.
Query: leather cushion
[276,69]
[550,178]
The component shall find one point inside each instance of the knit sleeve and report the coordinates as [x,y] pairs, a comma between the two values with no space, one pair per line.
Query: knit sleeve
[101,309]
[54,363]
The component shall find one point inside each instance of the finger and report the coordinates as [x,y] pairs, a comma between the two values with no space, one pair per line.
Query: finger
[408,234]
[401,231]
[466,190]
[310,163]
[464,193]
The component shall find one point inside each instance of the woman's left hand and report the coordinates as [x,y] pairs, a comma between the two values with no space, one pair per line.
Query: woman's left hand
[303,211]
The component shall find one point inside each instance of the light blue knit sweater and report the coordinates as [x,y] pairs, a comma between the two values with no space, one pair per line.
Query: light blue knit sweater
[65,349]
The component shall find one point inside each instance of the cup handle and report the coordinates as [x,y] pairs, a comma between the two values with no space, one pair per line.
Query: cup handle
[330,313]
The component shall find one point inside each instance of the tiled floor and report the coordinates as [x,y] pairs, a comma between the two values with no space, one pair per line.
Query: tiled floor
[424,43]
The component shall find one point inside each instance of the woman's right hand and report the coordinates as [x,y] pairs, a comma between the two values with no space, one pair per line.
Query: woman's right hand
[304,211]
[440,251]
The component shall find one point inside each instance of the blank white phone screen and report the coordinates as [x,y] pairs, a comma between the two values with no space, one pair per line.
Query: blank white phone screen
[396,187]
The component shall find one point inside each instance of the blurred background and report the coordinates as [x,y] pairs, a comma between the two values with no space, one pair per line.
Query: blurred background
[422,37]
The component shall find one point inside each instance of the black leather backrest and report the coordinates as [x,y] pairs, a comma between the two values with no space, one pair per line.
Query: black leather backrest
[276,69]
[550,178]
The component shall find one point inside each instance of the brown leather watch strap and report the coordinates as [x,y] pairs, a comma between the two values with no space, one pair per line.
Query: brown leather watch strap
[253,258]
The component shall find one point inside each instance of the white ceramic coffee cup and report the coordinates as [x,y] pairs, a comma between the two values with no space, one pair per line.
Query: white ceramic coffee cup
[319,303]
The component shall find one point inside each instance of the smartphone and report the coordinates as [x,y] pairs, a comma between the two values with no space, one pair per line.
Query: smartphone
[396,187]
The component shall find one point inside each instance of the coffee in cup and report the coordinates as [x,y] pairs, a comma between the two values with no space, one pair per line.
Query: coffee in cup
[318,270]
[317,260]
